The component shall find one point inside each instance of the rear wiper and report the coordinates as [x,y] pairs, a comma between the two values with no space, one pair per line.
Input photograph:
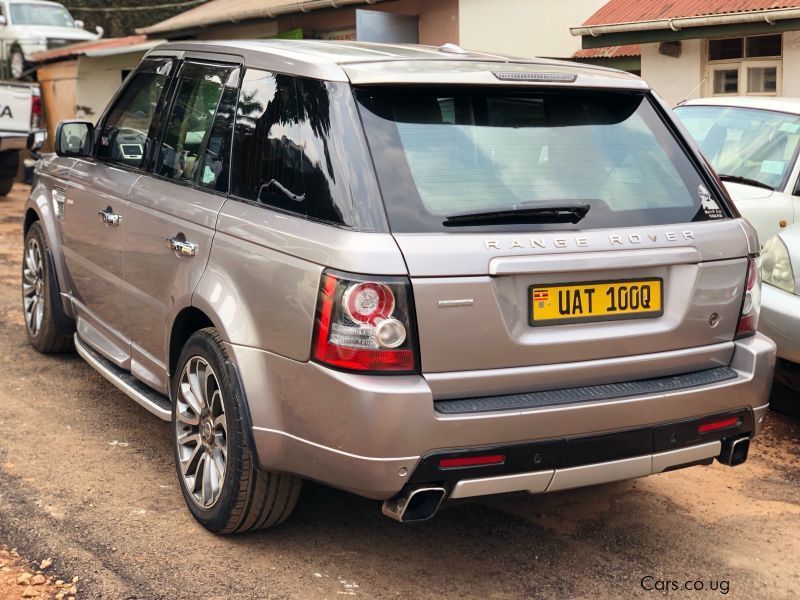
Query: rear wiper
[529,212]
[745,180]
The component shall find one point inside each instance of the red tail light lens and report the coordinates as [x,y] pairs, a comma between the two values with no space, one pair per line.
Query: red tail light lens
[717,425]
[751,303]
[472,461]
[36,110]
[365,326]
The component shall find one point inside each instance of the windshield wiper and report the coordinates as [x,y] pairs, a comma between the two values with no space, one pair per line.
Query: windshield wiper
[529,212]
[745,180]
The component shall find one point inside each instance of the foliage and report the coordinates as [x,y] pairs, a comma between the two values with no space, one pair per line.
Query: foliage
[117,23]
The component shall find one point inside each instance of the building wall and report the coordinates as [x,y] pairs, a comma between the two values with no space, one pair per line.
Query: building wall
[675,79]
[524,28]
[98,80]
[57,82]
[791,64]
[438,21]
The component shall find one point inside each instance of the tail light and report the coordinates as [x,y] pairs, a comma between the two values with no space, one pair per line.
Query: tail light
[37,113]
[365,325]
[751,303]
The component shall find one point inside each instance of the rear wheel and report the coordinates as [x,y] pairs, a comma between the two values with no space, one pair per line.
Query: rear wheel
[6,185]
[38,302]
[9,165]
[216,467]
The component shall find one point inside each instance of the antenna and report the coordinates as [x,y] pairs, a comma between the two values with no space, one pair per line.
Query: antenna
[694,89]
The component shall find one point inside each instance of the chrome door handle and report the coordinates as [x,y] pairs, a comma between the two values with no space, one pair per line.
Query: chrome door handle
[109,217]
[182,247]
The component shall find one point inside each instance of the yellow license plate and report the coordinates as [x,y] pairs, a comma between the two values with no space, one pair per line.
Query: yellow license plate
[596,301]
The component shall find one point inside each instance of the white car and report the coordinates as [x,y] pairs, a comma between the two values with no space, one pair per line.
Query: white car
[31,26]
[753,144]
[780,313]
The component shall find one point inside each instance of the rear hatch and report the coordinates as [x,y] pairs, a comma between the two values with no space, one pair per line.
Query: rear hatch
[550,226]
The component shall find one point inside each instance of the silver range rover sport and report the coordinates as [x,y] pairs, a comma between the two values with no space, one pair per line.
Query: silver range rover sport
[411,273]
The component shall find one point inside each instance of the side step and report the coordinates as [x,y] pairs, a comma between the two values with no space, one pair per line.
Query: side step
[148,398]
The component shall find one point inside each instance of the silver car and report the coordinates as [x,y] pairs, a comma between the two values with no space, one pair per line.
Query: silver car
[412,273]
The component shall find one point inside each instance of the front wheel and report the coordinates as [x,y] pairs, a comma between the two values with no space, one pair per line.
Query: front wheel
[39,296]
[216,468]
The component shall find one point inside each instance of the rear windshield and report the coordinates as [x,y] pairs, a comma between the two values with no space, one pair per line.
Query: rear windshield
[450,151]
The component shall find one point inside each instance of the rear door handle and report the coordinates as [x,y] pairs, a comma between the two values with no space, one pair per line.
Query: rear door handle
[180,246]
[109,217]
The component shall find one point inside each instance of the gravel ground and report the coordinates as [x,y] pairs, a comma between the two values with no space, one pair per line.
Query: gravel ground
[86,478]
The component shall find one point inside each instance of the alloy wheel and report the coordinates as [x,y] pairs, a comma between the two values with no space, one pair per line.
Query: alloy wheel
[201,432]
[33,286]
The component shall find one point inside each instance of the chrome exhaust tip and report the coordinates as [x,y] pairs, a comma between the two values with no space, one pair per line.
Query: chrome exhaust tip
[417,504]
[734,451]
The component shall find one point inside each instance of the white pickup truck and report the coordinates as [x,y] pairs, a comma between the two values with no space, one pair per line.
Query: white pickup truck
[20,112]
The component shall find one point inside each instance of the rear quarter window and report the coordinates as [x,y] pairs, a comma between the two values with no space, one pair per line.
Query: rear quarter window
[297,149]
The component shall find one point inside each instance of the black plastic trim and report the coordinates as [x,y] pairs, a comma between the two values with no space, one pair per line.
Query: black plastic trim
[64,324]
[527,457]
[591,393]
[244,410]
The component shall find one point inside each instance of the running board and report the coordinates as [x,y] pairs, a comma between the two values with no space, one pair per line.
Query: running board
[149,399]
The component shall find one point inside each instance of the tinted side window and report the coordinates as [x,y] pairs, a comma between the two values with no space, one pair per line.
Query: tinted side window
[286,154]
[268,152]
[327,191]
[190,121]
[125,136]
[217,157]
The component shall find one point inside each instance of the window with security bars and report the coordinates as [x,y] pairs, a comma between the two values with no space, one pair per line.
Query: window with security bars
[745,65]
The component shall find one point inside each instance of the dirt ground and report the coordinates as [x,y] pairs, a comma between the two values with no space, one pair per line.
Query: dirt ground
[86,479]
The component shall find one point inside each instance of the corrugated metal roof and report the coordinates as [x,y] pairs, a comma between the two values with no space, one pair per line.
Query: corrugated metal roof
[228,11]
[84,47]
[635,11]
[610,52]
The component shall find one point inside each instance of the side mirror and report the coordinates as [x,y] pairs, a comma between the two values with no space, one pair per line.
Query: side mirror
[36,140]
[75,139]
[79,24]
[3,20]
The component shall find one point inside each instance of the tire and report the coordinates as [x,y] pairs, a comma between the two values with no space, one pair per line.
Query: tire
[5,186]
[210,443]
[784,398]
[16,63]
[9,165]
[39,304]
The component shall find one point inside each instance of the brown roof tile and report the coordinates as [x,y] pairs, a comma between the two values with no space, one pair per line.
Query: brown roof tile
[635,11]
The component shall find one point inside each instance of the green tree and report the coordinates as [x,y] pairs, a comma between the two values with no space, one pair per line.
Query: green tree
[117,20]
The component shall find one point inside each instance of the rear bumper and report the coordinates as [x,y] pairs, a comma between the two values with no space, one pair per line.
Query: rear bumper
[554,480]
[12,141]
[780,321]
[367,434]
